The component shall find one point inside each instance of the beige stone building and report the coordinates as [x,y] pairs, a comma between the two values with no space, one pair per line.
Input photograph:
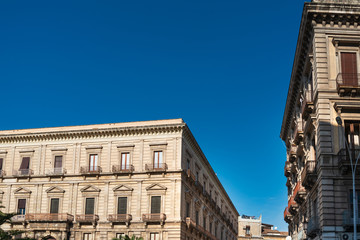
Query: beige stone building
[324,85]
[253,228]
[148,179]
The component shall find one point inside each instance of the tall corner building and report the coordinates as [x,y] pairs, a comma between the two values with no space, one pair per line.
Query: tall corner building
[147,179]
[324,85]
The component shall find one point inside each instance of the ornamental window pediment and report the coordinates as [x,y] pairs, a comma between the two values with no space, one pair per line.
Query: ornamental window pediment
[22,190]
[90,190]
[55,190]
[122,188]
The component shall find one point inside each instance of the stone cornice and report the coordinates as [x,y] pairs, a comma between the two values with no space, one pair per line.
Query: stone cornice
[89,133]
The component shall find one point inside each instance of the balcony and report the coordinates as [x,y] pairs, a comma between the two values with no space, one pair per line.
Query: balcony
[293,168]
[287,216]
[119,169]
[18,219]
[120,218]
[49,217]
[348,220]
[308,125]
[287,169]
[298,134]
[344,163]
[154,218]
[87,218]
[90,170]
[308,174]
[23,173]
[56,172]
[162,167]
[293,206]
[292,153]
[307,106]
[348,84]
[299,193]
[190,175]
[313,227]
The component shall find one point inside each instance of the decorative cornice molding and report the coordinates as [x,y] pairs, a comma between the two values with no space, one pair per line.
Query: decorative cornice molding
[91,133]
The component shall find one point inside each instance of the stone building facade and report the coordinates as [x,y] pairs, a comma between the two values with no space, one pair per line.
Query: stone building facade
[324,85]
[148,179]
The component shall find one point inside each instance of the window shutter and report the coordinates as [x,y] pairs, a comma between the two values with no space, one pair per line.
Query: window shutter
[54,205]
[25,163]
[58,162]
[21,203]
[122,205]
[349,68]
[1,163]
[155,204]
[89,207]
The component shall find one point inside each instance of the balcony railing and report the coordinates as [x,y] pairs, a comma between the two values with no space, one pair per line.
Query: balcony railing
[122,169]
[120,218]
[287,215]
[23,172]
[2,173]
[344,160]
[154,217]
[18,218]
[348,84]
[49,217]
[190,175]
[287,169]
[90,170]
[307,105]
[298,134]
[312,227]
[299,193]
[162,167]
[87,218]
[308,174]
[56,172]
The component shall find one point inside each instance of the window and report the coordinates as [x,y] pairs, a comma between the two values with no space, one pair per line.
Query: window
[120,235]
[87,236]
[89,205]
[93,162]
[247,230]
[21,206]
[155,204]
[204,222]
[122,205]
[125,161]
[197,217]
[352,132]
[54,205]
[158,159]
[1,163]
[25,163]
[197,176]
[154,236]
[210,227]
[187,209]
[349,68]
[187,164]
[58,162]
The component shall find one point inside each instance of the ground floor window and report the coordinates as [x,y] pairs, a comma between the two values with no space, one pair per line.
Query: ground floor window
[154,236]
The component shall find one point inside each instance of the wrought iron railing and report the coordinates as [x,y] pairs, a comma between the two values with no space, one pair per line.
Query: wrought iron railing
[122,168]
[23,172]
[56,171]
[156,167]
[90,169]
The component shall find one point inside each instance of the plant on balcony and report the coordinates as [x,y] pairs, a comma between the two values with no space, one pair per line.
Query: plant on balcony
[126,237]
[8,235]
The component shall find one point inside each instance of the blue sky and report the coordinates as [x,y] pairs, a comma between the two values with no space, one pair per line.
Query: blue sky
[222,66]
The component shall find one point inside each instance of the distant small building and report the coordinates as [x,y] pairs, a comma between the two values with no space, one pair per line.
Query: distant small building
[251,227]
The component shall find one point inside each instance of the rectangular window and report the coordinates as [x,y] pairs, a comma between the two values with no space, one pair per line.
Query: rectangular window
[204,222]
[89,205]
[122,205]
[58,162]
[154,236]
[21,206]
[247,230]
[187,209]
[1,163]
[158,159]
[54,205]
[188,164]
[93,162]
[125,161]
[197,217]
[120,235]
[210,227]
[155,204]
[25,163]
[349,69]
[87,236]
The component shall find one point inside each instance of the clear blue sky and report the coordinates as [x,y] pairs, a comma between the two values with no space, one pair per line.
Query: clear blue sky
[222,66]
